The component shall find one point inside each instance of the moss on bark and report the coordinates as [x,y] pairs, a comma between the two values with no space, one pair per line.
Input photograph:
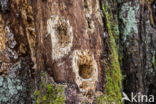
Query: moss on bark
[49,93]
[113,73]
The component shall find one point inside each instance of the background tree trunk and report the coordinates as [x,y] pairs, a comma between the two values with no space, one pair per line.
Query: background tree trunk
[137,42]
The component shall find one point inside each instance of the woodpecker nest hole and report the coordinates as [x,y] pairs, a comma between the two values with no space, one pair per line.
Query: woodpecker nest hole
[85,71]
[85,68]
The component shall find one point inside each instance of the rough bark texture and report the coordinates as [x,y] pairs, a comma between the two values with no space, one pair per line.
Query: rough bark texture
[15,61]
[69,43]
[138,38]
[65,51]
[68,46]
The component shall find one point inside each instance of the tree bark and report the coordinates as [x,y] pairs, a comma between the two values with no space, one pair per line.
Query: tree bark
[137,42]
[16,73]
[66,51]
[62,38]
[69,37]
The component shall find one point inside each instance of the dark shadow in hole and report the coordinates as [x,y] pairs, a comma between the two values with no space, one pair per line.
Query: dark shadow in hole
[85,71]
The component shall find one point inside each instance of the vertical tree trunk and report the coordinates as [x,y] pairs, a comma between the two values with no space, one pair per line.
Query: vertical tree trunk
[69,37]
[61,42]
[137,38]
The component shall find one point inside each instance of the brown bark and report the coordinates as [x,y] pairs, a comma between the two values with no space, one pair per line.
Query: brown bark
[69,37]
[63,38]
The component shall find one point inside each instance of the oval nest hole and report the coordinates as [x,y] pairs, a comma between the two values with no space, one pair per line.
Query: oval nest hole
[85,71]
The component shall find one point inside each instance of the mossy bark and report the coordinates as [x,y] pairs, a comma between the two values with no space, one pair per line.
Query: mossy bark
[113,87]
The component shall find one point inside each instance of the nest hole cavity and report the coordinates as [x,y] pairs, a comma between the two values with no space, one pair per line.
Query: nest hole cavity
[85,71]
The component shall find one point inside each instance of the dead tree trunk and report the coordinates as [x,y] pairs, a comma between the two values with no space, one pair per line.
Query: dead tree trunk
[137,44]
[69,37]
[56,52]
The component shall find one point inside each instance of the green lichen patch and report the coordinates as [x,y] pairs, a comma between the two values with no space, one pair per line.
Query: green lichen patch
[1,80]
[49,93]
[13,87]
[128,16]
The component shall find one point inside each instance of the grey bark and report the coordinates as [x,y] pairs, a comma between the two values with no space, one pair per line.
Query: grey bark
[138,46]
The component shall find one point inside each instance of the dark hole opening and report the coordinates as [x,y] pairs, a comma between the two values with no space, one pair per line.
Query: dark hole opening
[85,71]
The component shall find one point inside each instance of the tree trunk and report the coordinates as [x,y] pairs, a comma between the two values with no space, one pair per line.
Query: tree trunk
[137,41]
[66,51]
[61,38]
[70,45]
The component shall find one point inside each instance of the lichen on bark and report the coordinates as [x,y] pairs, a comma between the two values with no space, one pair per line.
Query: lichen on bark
[137,48]
[14,88]
[128,18]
